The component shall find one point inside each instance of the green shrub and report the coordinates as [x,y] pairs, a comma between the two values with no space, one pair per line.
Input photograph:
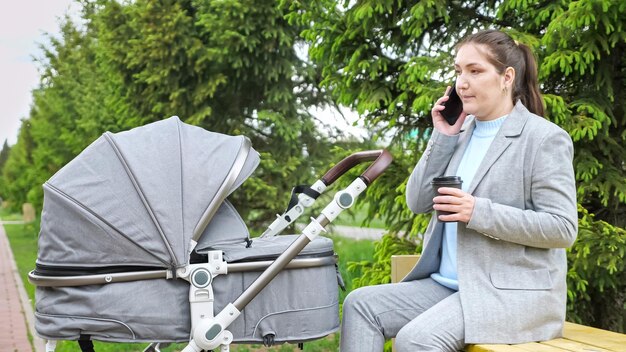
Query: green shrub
[596,277]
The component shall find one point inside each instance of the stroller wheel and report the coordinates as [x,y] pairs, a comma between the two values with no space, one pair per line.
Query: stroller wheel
[268,340]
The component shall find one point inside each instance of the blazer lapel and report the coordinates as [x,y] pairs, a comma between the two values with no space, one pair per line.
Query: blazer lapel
[512,127]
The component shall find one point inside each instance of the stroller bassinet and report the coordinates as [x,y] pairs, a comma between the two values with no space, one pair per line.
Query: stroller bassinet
[138,209]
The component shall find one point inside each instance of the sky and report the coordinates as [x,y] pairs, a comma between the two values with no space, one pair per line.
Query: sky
[23,25]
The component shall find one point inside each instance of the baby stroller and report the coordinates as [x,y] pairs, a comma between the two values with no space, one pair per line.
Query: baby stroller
[139,243]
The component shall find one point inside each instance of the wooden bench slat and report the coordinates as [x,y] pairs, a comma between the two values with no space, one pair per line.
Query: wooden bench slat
[596,337]
[401,265]
[526,347]
[538,347]
[493,348]
[574,346]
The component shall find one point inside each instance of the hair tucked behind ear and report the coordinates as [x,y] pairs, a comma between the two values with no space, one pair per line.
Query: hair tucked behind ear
[504,52]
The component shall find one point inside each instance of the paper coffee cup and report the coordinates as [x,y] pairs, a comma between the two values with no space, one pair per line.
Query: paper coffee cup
[446,181]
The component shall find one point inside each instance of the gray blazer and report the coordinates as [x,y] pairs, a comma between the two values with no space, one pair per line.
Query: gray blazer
[510,258]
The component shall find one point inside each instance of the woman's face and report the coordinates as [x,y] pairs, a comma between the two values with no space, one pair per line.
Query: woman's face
[480,86]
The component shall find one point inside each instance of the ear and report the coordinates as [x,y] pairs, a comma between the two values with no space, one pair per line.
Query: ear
[509,77]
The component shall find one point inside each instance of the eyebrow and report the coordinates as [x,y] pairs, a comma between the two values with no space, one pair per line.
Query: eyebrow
[468,65]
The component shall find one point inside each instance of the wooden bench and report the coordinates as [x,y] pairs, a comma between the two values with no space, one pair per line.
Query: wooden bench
[576,338]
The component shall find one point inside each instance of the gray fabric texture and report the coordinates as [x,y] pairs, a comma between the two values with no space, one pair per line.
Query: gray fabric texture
[269,246]
[148,310]
[135,198]
[226,227]
[422,315]
[298,305]
[139,192]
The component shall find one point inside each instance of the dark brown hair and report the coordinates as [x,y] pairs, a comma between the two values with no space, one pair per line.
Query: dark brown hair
[505,52]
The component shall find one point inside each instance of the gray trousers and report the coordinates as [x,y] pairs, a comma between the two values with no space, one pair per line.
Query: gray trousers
[422,315]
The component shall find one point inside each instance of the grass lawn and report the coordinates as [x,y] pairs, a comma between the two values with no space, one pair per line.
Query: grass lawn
[23,240]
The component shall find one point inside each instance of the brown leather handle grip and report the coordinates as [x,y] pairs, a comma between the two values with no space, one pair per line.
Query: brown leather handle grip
[382,158]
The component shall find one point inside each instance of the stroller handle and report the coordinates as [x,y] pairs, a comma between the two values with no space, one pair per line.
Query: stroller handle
[382,158]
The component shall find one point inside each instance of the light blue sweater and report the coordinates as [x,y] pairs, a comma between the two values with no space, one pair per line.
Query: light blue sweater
[479,143]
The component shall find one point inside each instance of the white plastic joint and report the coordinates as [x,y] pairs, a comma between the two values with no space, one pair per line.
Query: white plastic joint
[211,333]
[216,263]
[344,199]
[356,187]
[313,229]
[319,186]
[307,201]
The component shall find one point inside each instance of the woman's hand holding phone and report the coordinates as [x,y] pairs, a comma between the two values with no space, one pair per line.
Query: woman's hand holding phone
[440,122]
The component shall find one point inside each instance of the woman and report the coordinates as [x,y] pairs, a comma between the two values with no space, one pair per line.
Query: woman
[493,271]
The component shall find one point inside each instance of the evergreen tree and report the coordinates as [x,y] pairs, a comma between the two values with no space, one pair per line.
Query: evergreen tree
[16,179]
[584,75]
[227,66]
[390,60]
[4,155]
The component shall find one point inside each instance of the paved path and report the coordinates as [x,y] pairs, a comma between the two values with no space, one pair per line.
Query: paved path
[15,310]
[357,233]
[11,222]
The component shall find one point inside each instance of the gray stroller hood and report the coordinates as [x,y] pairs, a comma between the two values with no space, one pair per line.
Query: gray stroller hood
[139,198]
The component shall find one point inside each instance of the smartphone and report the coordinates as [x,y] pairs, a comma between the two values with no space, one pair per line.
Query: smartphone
[454,106]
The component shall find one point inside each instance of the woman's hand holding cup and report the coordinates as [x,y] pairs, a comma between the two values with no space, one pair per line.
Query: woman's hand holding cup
[452,204]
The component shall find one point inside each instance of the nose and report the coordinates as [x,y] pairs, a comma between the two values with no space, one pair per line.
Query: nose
[461,83]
